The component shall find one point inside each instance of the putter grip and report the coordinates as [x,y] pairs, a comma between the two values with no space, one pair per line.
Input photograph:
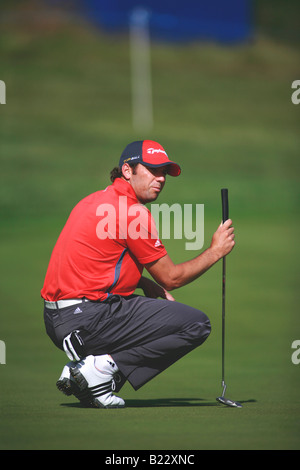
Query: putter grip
[225,208]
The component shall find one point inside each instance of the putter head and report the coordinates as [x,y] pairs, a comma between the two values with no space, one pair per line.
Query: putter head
[227,402]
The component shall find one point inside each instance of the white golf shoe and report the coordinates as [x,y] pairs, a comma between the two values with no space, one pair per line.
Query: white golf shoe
[96,384]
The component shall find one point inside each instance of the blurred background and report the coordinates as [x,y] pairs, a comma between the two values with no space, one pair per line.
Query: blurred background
[211,81]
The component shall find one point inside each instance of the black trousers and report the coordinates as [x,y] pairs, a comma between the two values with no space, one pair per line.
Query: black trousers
[144,336]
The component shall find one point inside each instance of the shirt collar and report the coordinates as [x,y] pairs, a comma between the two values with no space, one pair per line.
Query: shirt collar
[125,188]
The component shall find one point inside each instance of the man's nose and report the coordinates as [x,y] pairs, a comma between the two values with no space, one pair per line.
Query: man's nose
[161,178]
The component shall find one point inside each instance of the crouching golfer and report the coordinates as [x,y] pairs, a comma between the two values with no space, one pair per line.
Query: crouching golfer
[91,312]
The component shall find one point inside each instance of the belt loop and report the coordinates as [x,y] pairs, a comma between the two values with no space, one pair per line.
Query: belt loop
[58,311]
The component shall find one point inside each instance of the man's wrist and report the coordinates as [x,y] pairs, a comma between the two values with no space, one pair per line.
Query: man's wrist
[213,255]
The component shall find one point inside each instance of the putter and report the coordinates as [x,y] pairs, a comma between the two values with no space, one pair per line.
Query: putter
[225,216]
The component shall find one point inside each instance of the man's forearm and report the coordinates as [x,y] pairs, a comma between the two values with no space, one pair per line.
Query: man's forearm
[188,271]
[172,276]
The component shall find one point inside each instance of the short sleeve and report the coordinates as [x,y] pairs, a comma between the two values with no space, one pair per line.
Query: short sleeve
[142,236]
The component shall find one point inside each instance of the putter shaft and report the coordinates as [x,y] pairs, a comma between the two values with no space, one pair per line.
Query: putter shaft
[225,216]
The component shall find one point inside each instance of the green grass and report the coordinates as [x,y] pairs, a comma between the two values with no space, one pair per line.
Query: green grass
[226,115]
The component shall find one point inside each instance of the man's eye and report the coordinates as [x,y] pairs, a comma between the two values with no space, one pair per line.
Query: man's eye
[158,172]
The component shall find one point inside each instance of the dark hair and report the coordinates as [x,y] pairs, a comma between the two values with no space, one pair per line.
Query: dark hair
[117,172]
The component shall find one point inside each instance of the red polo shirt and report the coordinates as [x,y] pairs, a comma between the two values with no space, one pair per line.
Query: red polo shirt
[102,249]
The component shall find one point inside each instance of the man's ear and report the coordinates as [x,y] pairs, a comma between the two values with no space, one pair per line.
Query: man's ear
[126,171]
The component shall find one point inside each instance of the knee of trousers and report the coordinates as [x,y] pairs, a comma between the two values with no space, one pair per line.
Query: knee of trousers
[199,331]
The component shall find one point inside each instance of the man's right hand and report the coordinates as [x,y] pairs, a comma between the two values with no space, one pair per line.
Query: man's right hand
[223,239]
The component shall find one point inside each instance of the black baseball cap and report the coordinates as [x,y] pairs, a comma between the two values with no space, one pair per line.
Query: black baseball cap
[150,154]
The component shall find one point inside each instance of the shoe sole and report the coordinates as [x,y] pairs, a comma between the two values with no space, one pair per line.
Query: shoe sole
[68,388]
[83,386]
[64,386]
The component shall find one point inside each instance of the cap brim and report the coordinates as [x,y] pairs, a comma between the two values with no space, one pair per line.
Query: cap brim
[173,169]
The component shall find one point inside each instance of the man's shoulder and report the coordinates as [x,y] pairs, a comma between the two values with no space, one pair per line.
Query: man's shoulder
[97,195]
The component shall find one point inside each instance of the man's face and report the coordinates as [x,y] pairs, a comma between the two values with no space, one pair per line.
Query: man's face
[147,182]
